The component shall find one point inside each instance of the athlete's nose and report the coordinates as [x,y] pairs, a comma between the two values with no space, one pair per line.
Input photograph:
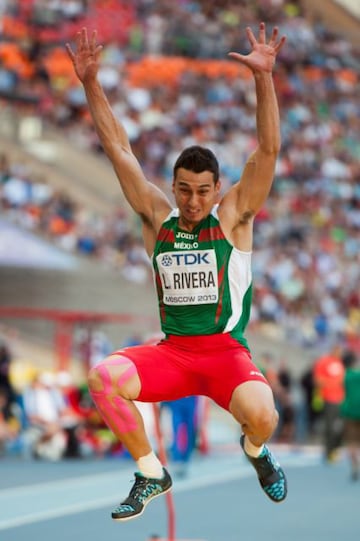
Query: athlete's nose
[193,200]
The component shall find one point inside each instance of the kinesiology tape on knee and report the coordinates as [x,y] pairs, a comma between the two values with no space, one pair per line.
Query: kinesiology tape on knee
[115,410]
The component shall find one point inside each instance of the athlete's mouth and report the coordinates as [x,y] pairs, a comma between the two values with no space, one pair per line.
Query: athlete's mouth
[193,212]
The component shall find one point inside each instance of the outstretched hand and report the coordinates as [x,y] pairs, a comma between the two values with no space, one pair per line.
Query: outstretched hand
[262,56]
[85,59]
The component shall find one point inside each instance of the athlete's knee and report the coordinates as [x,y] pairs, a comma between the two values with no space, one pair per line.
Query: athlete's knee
[253,407]
[262,421]
[113,387]
[94,379]
[115,375]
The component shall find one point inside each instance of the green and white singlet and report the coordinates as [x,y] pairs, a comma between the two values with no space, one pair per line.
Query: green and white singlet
[204,284]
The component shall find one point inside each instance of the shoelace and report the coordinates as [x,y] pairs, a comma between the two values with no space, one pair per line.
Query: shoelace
[138,493]
[138,489]
[143,489]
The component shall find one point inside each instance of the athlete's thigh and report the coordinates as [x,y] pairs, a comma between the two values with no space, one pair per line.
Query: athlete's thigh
[229,368]
[161,375]
[252,399]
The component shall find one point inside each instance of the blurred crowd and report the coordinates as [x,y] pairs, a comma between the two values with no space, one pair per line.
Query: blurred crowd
[48,414]
[28,200]
[165,71]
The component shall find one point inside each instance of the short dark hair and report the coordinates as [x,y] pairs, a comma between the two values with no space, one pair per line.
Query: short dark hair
[198,159]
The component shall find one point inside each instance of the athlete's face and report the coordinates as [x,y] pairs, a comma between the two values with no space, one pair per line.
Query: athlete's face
[195,195]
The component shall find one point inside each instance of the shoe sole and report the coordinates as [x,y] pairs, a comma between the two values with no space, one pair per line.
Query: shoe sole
[143,509]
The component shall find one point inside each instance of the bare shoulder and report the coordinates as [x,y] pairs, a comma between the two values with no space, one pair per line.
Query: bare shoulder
[154,207]
[151,228]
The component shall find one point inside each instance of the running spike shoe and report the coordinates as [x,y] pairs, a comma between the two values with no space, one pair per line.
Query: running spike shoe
[143,490]
[270,474]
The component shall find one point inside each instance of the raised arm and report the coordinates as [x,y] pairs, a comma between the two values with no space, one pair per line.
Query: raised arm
[143,196]
[247,196]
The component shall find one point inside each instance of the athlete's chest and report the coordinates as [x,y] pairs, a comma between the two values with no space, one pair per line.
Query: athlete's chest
[188,266]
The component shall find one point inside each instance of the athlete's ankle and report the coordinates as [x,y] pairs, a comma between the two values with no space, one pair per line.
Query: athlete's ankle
[251,449]
[150,466]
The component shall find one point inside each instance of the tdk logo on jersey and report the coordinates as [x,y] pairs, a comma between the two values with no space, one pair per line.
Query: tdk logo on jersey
[187,258]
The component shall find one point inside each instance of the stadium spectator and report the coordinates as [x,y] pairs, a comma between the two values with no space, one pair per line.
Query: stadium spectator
[329,379]
[184,425]
[44,407]
[350,411]
[10,426]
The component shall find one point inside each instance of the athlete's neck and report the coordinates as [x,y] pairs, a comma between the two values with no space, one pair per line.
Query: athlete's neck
[187,226]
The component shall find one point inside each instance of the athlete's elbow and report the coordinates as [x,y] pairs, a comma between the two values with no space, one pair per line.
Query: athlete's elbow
[271,148]
[115,151]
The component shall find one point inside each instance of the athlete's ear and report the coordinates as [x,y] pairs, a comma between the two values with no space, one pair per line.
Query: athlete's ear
[218,187]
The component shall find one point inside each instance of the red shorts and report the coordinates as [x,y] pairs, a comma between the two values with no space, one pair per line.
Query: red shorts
[181,366]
